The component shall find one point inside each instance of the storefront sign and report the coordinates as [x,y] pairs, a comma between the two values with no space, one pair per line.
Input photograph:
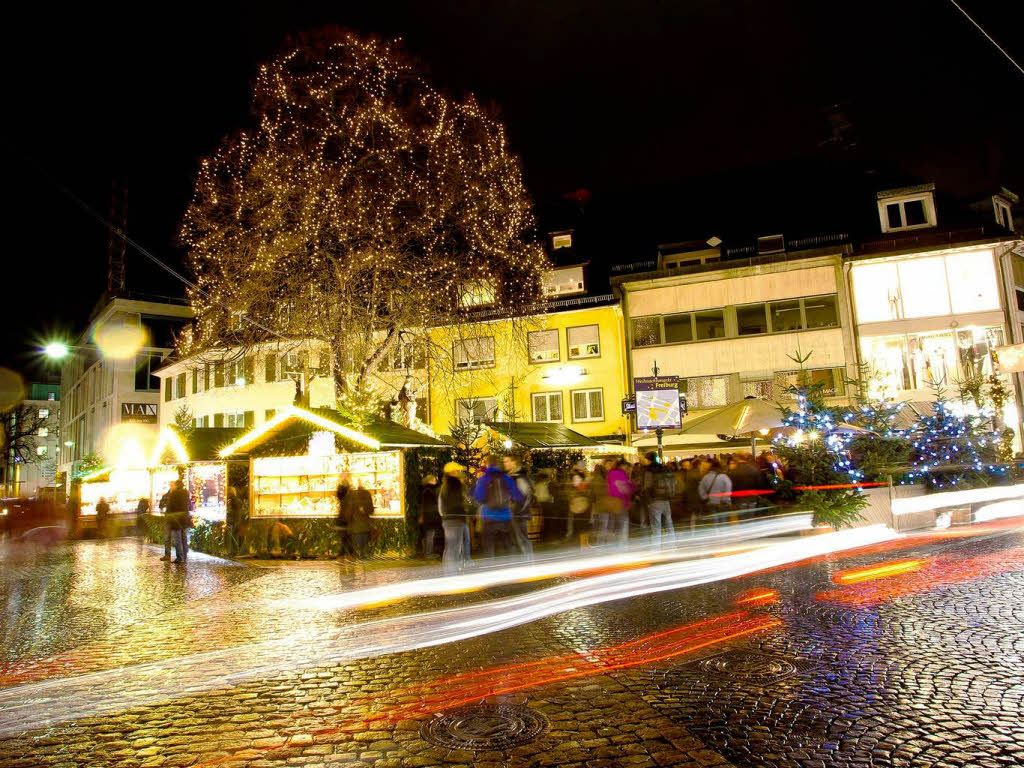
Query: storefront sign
[657,402]
[138,413]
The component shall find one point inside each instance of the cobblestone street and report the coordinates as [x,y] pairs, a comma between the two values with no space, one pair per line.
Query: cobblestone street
[904,653]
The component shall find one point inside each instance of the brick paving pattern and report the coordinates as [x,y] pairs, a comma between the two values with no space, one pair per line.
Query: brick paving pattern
[925,668]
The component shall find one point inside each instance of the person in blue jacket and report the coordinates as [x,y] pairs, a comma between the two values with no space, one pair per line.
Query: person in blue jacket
[496,493]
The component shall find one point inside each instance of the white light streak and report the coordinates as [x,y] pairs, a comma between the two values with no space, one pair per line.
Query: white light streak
[934,501]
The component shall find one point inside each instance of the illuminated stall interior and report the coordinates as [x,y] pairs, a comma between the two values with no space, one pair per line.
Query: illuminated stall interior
[298,458]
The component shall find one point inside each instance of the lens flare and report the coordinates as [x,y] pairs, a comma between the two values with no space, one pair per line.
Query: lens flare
[119,341]
[12,389]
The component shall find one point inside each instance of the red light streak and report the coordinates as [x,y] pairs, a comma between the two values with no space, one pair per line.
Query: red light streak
[458,690]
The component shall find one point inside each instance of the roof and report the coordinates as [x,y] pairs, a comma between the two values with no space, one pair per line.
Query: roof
[533,434]
[289,431]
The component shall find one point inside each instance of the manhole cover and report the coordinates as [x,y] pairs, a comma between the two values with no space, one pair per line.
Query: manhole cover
[485,726]
[748,666]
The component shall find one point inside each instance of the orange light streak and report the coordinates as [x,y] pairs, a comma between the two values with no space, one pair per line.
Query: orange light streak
[757,597]
[880,571]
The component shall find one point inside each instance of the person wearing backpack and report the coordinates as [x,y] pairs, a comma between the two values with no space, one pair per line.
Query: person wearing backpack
[659,488]
[496,493]
[523,510]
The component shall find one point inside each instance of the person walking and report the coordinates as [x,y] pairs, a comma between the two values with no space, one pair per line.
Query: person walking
[659,488]
[496,493]
[578,508]
[102,510]
[745,478]
[359,504]
[522,510]
[178,519]
[162,506]
[455,514]
[715,489]
[620,493]
[691,497]
[341,519]
[232,521]
[430,517]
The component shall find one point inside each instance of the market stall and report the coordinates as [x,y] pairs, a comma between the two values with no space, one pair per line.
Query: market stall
[296,462]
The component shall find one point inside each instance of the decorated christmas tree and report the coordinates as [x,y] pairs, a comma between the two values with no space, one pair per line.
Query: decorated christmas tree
[954,450]
[815,446]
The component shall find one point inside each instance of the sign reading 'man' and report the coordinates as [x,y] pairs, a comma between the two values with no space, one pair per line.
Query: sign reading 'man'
[138,413]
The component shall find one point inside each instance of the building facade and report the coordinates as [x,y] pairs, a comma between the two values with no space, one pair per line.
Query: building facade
[742,327]
[109,381]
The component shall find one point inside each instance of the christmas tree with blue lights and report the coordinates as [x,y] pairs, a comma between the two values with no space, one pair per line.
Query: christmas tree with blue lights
[815,447]
[954,450]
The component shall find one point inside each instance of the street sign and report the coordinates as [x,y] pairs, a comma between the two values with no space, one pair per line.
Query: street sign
[657,402]
[628,405]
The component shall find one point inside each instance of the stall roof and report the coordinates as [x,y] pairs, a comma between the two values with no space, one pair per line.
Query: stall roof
[293,425]
[534,434]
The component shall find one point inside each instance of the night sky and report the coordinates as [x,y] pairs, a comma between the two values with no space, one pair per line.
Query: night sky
[648,105]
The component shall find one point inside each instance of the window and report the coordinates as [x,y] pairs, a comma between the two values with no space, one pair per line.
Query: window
[707,392]
[821,312]
[234,419]
[561,241]
[830,379]
[785,316]
[239,372]
[43,432]
[1003,215]
[583,341]
[678,328]
[179,385]
[423,409]
[914,361]
[646,331]
[146,364]
[44,413]
[751,319]
[200,422]
[474,353]
[270,368]
[759,388]
[587,405]
[268,414]
[477,293]
[168,389]
[972,282]
[476,409]
[40,450]
[1020,299]
[293,364]
[544,346]
[547,406]
[408,355]
[709,324]
[908,213]
[560,282]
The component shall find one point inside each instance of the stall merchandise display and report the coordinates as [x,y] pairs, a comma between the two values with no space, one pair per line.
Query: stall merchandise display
[305,486]
[122,491]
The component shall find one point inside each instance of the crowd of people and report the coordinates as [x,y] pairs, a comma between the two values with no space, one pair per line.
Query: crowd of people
[494,511]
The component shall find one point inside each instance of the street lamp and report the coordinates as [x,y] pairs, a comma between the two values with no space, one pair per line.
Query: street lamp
[56,350]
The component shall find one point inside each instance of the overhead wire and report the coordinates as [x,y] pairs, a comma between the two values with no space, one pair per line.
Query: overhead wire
[986,34]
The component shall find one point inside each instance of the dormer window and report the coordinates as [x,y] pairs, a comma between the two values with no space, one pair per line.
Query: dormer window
[563,240]
[564,281]
[911,208]
[1004,217]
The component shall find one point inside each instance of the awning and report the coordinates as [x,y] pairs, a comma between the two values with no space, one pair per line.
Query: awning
[535,434]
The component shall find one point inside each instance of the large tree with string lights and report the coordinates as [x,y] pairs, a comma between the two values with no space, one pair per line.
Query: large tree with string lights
[361,207]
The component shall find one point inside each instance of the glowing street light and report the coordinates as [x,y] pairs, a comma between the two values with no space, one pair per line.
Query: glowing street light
[56,350]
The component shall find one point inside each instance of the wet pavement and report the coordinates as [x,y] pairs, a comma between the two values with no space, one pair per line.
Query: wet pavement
[905,653]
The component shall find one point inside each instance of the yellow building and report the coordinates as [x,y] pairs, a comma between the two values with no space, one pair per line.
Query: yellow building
[565,367]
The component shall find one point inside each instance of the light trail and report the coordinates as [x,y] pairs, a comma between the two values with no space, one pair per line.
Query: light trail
[38,705]
[880,571]
[702,544]
[942,572]
[935,501]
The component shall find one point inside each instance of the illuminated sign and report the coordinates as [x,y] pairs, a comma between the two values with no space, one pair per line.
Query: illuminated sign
[657,402]
[138,413]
